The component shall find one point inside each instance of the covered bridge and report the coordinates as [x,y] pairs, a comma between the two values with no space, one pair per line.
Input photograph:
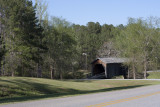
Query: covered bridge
[109,67]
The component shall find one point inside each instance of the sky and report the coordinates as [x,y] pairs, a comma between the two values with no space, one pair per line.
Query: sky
[103,11]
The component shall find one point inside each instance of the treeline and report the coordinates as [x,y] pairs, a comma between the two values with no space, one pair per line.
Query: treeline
[36,45]
[32,45]
[140,42]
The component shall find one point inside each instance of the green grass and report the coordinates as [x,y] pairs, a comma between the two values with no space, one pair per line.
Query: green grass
[16,89]
[154,75]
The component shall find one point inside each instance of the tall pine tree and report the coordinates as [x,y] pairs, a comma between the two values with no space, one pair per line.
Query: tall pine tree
[25,34]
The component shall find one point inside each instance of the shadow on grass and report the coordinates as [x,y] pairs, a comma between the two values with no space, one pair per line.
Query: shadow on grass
[48,92]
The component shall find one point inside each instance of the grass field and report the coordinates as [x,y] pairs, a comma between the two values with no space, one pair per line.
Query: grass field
[154,75]
[16,89]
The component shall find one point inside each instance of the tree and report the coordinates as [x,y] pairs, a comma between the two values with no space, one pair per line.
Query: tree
[25,37]
[41,11]
[138,42]
[61,47]
[4,29]
[1,46]
[94,27]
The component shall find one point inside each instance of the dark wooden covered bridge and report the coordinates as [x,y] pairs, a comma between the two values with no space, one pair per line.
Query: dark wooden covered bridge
[109,67]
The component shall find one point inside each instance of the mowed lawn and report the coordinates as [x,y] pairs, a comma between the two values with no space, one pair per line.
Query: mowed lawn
[16,89]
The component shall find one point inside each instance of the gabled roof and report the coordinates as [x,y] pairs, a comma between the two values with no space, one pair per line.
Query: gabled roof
[112,60]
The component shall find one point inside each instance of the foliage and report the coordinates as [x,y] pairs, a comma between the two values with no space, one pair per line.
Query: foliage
[138,41]
[24,38]
[34,44]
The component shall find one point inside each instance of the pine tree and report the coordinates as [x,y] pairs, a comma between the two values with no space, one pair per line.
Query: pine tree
[25,33]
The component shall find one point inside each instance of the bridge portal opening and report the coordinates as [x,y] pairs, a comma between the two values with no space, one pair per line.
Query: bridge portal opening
[98,69]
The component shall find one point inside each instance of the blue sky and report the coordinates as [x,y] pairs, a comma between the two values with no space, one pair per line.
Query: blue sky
[103,11]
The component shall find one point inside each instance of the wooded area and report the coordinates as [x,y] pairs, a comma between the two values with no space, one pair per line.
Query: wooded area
[34,44]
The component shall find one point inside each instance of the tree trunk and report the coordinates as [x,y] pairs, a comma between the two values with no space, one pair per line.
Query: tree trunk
[0,50]
[145,69]
[0,69]
[11,63]
[134,72]
[22,69]
[3,69]
[133,67]
[51,69]
[61,76]
[128,73]
[12,73]
[39,71]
